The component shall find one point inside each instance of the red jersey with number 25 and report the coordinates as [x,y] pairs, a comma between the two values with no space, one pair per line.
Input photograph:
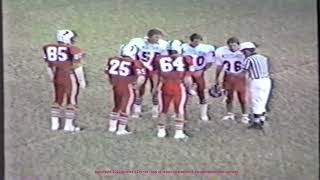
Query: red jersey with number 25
[123,70]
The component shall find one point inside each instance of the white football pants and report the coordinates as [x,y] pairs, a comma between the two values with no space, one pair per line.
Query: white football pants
[259,94]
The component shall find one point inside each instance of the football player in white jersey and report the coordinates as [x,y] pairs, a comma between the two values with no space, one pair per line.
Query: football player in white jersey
[148,49]
[203,57]
[230,59]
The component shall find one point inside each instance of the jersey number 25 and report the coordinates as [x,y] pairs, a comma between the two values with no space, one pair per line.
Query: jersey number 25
[121,68]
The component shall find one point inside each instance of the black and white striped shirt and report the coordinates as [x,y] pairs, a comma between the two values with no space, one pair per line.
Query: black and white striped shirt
[257,65]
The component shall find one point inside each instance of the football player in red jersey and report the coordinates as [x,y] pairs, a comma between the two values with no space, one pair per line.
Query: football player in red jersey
[173,74]
[125,73]
[66,73]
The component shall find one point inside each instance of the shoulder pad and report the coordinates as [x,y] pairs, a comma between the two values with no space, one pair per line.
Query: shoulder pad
[139,42]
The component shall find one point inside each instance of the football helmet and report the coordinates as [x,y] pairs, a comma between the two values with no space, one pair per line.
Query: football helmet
[66,36]
[129,51]
[215,92]
[175,45]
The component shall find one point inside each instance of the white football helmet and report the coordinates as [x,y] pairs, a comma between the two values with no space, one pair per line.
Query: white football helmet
[175,45]
[121,49]
[65,36]
[129,51]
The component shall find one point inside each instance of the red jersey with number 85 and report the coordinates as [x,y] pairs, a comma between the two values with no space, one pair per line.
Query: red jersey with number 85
[123,70]
[62,58]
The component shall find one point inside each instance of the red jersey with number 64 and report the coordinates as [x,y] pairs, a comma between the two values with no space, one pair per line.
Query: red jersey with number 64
[123,70]
[173,67]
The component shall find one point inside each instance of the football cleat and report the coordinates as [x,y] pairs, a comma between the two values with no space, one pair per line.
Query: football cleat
[71,129]
[113,125]
[135,115]
[256,125]
[155,111]
[174,115]
[54,123]
[123,132]
[161,133]
[180,135]
[228,116]
[68,126]
[205,118]
[245,119]
[112,129]
[203,110]
[136,111]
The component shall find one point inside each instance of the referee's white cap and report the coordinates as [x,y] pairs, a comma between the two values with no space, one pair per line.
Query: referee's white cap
[247,45]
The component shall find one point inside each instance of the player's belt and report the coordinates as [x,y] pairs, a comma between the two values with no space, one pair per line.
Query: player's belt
[234,73]
[171,79]
[198,69]
[263,77]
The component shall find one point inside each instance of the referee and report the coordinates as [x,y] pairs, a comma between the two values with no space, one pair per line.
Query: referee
[256,65]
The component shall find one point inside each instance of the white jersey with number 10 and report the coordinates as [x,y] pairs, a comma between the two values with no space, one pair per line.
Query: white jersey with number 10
[202,54]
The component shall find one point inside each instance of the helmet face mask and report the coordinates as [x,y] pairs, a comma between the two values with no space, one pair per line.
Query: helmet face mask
[75,35]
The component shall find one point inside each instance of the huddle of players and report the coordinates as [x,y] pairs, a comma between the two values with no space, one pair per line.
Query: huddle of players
[173,68]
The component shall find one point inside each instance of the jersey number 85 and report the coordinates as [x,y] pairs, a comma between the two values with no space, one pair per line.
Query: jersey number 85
[54,53]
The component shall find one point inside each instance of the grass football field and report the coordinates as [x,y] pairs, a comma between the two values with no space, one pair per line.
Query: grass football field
[286,31]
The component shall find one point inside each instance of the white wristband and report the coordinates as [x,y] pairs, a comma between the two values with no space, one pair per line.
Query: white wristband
[50,73]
